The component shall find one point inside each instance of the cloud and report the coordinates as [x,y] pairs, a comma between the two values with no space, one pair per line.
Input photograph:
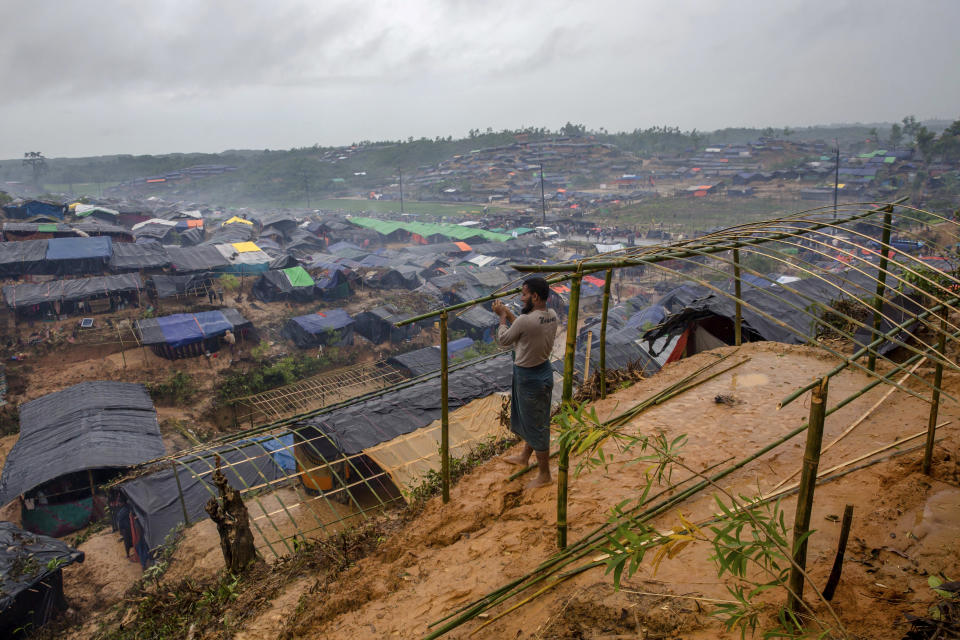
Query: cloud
[113,76]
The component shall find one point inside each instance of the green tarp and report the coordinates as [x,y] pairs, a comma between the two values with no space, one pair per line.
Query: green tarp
[298,277]
[47,228]
[425,229]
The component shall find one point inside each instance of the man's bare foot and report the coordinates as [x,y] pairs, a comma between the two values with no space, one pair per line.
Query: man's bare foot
[539,481]
[517,460]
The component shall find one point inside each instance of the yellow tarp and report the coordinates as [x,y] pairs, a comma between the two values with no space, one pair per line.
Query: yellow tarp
[237,219]
[244,247]
[407,458]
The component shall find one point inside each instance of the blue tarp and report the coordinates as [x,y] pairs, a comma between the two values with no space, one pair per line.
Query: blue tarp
[79,248]
[184,328]
[281,448]
[331,319]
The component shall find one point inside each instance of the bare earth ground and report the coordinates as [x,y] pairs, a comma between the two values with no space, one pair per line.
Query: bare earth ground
[493,531]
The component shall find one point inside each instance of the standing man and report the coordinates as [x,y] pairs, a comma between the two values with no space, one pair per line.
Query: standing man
[532,335]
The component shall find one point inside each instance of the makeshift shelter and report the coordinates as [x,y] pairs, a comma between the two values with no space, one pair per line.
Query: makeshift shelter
[399,277]
[427,360]
[331,328]
[58,297]
[78,255]
[398,430]
[159,499]
[31,579]
[377,325]
[293,283]
[136,257]
[164,286]
[334,284]
[25,209]
[156,231]
[23,257]
[200,258]
[243,258]
[71,442]
[775,313]
[19,231]
[186,335]
[477,323]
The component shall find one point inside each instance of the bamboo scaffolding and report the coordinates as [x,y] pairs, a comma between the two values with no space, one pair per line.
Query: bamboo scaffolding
[935,402]
[563,459]
[603,334]
[444,412]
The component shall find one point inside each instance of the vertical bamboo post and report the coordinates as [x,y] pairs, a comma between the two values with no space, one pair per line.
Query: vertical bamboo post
[444,411]
[808,480]
[935,400]
[568,361]
[586,359]
[738,321]
[120,338]
[603,333]
[183,503]
[881,282]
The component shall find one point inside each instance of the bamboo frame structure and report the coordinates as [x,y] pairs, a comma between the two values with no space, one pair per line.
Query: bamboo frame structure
[821,237]
[603,333]
[563,458]
[444,412]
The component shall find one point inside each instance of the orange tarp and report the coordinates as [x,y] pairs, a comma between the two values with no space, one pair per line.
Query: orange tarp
[463,246]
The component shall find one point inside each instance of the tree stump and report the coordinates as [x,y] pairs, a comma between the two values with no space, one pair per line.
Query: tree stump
[233,525]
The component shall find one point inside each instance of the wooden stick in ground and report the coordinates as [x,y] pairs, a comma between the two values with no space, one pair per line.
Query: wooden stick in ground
[808,481]
[834,578]
[603,333]
[856,422]
[586,360]
[563,464]
[444,412]
[935,400]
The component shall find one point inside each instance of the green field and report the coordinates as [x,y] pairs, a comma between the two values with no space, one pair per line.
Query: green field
[80,189]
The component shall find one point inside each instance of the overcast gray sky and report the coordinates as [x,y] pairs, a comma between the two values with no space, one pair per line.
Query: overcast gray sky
[100,77]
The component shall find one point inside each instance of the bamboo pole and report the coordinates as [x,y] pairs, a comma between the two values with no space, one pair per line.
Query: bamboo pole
[935,400]
[444,411]
[183,503]
[586,359]
[881,281]
[808,480]
[737,329]
[603,333]
[120,337]
[569,358]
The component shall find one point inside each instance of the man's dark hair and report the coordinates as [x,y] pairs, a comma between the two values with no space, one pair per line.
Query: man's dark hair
[539,286]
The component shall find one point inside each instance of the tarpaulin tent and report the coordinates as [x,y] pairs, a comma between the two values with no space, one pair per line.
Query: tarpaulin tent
[779,312]
[127,256]
[31,579]
[284,284]
[156,497]
[78,255]
[332,327]
[624,350]
[333,283]
[243,258]
[200,258]
[164,286]
[427,360]
[19,258]
[185,335]
[477,323]
[31,208]
[69,442]
[19,296]
[377,325]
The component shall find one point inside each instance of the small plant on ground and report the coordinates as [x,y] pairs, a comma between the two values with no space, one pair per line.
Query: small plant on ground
[178,388]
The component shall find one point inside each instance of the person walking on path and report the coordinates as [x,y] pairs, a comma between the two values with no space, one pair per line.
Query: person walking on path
[230,339]
[531,335]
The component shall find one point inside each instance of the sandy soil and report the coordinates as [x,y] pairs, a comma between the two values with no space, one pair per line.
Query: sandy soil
[493,531]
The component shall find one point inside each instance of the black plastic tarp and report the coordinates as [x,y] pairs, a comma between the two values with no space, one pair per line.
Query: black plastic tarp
[333,327]
[17,296]
[623,351]
[367,423]
[417,363]
[155,497]
[767,309]
[169,286]
[201,258]
[377,325]
[19,258]
[131,257]
[31,587]
[90,425]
